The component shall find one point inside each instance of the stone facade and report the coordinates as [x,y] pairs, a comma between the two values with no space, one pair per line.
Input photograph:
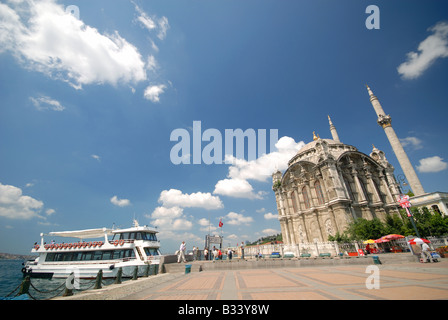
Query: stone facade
[327,185]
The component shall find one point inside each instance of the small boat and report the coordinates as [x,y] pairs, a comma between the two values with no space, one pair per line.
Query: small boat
[97,249]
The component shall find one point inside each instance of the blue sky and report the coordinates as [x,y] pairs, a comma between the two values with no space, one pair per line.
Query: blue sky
[88,102]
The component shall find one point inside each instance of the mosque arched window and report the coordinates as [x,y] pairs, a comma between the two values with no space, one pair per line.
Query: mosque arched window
[349,189]
[306,199]
[319,193]
[294,201]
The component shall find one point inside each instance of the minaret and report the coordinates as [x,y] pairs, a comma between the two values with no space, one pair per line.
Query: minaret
[334,133]
[386,122]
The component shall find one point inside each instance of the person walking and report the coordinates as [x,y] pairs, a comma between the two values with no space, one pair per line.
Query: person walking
[181,255]
[195,252]
[229,254]
[426,254]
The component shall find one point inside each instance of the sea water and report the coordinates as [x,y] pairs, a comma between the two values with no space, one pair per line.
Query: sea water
[10,276]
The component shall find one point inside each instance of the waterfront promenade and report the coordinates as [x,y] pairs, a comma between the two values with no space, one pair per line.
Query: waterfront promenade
[396,280]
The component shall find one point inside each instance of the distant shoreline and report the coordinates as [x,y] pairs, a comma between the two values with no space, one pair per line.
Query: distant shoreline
[11,256]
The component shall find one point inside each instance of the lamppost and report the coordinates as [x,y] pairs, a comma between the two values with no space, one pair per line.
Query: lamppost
[404,203]
[401,179]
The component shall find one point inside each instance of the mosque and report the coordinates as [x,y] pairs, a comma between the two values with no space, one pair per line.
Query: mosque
[328,184]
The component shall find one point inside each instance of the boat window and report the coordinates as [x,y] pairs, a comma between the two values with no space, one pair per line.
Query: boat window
[117,254]
[87,255]
[76,256]
[129,253]
[149,236]
[67,256]
[138,236]
[151,252]
[107,255]
[50,257]
[97,255]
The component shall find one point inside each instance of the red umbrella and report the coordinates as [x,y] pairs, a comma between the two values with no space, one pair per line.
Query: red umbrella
[418,241]
[381,240]
[392,236]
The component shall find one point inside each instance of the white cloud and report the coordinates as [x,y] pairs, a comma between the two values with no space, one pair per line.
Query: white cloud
[120,202]
[152,23]
[270,216]
[270,232]
[237,188]
[14,205]
[234,218]
[43,103]
[260,169]
[432,48]
[170,219]
[152,93]
[61,46]
[432,164]
[96,157]
[163,27]
[173,197]
[413,142]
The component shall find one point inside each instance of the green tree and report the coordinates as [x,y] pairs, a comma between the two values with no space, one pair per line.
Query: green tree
[341,238]
[362,229]
[398,224]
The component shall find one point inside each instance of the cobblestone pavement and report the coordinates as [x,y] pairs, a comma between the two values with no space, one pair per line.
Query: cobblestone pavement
[410,281]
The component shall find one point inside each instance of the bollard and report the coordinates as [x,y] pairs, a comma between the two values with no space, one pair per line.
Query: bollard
[135,273]
[68,292]
[24,286]
[99,278]
[119,274]
[71,280]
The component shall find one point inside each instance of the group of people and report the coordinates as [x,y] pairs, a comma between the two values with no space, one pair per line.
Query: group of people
[214,254]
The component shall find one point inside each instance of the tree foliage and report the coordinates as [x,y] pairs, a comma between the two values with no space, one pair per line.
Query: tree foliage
[427,223]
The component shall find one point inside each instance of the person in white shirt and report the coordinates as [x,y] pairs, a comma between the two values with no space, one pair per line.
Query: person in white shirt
[426,255]
[181,254]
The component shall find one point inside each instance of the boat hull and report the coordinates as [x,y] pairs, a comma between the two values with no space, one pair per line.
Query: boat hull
[109,271]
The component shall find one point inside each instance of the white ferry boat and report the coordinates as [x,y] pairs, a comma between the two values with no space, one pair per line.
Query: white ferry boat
[126,249]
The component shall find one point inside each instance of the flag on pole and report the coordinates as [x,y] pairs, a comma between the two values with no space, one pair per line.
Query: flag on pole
[220,223]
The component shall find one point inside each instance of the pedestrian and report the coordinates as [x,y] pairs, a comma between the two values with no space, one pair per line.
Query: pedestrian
[242,252]
[206,253]
[229,254]
[215,254]
[426,255]
[195,252]
[368,249]
[181,255]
